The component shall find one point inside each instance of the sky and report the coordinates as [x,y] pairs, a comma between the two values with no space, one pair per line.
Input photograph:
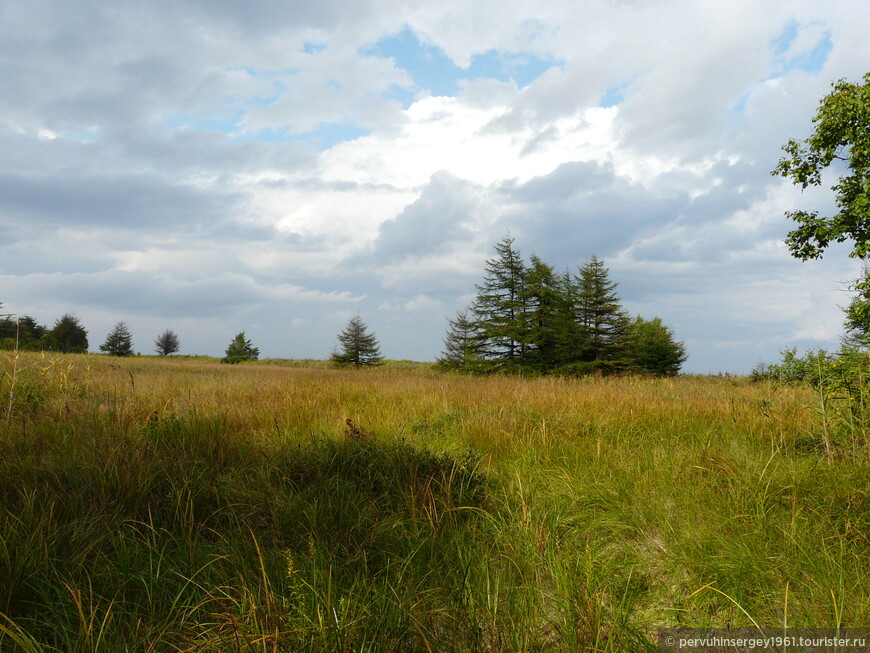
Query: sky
[280,166]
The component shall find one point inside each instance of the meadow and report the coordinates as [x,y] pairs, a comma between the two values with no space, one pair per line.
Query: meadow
[178,504]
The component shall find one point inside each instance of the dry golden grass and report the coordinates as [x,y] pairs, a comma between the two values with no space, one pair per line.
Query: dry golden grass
[613,507]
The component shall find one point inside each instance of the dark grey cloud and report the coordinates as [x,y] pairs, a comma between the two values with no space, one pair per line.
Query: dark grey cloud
[127,202]
[147,293]
[584,208]
[435,220]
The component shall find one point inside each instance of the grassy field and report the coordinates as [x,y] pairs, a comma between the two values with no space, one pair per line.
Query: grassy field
[183,505]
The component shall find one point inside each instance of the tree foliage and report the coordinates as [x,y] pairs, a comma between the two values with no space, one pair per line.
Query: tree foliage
[69,336]
[841,135]
[654,349]
[119,341]
[167,343]
[527,317]
[499,303]
[600,314]
[463,344]
[240,349]
[857,322]
[23,333]
[358,346]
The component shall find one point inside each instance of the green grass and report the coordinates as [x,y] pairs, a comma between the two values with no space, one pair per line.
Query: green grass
[180,505]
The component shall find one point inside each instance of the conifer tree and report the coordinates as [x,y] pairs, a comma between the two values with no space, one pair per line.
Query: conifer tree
[499,308]
[600,314]
[463,344]
[528,317]
[119,342]
[547,317]
[69,336]
[358,346]
[240,349]
[573,337]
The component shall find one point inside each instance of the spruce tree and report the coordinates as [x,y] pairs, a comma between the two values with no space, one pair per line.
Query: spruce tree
[601,316]
[358,346]
[547,319]
[498,308]
[119,342]
[573,338]
[463,344]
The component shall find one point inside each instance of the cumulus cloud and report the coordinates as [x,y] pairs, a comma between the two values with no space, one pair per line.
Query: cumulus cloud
[434,221]
[272,167]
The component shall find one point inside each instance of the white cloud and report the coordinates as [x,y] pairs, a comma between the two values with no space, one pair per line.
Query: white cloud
[180,154]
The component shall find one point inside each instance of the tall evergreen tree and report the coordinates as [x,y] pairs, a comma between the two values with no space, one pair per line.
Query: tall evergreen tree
[573,337]
[167,343]
[498,308]
[600,314]
[548,324]
[69,336]
[358,346]
[463,344]
[119,342]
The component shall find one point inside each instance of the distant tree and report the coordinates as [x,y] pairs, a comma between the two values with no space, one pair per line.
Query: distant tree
[653,348]
[240,349]
[167,343]
[48,342]
[548,321]
[499,308]
[119,342]
[527,317]
[32,329]
[25,331]
[842,135]
[9,333]
[69,336]
[600,315]
[463,344]
[358,346]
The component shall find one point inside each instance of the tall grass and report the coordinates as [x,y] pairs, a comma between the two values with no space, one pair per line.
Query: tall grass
[182,505]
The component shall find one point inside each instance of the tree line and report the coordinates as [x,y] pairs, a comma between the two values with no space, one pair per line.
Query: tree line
[69,336]
[526,316]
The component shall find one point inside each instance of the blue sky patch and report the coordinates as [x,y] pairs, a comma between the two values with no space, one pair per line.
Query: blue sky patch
[429,67]
[612,96]
[781,42]
[811,61]
[332,133]
[433,71]
[313,48]
[740,105]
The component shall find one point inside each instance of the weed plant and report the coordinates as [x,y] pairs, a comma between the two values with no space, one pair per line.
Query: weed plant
[180,505]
